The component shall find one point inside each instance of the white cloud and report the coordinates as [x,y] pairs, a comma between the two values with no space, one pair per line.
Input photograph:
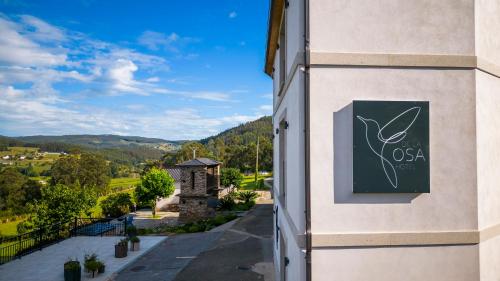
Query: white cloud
[156,40]
[232,15]
[154,79]
[265,109]
[42,30]
[213,96]
[21,114]
[122,75]
[20,50]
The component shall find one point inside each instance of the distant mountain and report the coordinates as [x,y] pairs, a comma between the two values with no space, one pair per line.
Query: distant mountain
[236,147]
[245,133]
[104,141]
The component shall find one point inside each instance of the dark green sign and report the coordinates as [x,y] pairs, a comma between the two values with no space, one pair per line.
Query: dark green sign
[391,147]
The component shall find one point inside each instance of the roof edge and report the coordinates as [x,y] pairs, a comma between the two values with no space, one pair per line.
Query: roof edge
[274,22]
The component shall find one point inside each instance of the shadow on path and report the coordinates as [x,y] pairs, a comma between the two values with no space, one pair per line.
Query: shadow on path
[242,252]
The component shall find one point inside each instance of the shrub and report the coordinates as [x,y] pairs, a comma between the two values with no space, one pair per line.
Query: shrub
[131,231]
[247,196]
[227,202]
[260,184]
[194,228]
[92,265]
[134,239]
[117,205]
[24,227]
[219,219]
[231,176]
[72,265]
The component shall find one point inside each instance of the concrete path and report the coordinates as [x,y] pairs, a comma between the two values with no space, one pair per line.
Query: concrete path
[240,250]
[48,264]
[244,252]
[168,258]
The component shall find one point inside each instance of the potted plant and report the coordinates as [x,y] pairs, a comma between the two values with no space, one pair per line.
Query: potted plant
[121,248]
[135,243]
[72,270]
[101,267]
[131,231]
[92,267]
[88,258]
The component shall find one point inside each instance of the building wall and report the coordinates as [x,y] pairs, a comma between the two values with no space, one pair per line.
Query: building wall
[193,201]
[451,204]
[291,219]
[200,187]
[487,30]
[395,27]
[445,52]
[397,263]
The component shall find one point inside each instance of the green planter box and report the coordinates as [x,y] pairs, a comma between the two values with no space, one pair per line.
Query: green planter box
[72,271]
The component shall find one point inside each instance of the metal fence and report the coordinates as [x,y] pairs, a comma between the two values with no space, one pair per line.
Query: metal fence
[20,245]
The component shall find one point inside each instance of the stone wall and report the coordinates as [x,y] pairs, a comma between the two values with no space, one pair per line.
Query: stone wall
[192,208]
[200,181]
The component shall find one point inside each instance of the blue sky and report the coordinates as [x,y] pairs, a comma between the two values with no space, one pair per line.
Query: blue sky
[168,69]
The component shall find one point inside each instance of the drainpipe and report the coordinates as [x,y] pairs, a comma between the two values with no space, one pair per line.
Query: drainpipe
[307,173]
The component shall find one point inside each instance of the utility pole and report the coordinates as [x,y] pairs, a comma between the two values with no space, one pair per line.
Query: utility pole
[257,161]
[194,153]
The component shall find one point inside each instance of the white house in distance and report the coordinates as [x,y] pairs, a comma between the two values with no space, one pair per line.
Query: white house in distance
[387,117]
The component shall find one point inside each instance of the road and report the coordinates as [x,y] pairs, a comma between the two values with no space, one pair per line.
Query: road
[240,252]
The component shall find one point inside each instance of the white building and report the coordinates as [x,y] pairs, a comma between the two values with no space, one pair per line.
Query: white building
[325,54]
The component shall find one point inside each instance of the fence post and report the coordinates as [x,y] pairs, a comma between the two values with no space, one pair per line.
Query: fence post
[40,237]
[125,226]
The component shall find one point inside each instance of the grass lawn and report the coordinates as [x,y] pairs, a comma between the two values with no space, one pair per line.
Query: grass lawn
[123,183]
[9,228]
[248,182]
[97,211]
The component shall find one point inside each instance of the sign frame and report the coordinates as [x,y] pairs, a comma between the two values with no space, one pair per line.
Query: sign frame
[391,152]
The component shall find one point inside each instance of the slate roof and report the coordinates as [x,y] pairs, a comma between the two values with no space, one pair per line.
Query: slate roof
[200,162]
[175,173]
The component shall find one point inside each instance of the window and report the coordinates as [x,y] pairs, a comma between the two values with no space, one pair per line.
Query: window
[282,51]
[282,161]
[192,179]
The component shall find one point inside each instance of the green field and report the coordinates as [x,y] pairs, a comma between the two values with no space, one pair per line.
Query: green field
[43,163]
[248,182]
[121,183]
[10,228]
[116,185]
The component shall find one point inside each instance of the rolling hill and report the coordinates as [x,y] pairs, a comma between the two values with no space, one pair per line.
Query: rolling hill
[104,141]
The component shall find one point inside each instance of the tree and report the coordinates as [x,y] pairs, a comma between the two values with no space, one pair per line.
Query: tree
[60,203]
[11,190]
[186,151]
[230,176]
[86,171]
[16,190]
[65,171]
[93,171]
[154,184]
[117,205]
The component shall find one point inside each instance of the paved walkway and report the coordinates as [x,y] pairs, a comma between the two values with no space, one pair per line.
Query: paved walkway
[165,261]
[238,251]
[48,264]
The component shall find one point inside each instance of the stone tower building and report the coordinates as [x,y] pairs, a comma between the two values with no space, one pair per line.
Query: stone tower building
[200,182]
